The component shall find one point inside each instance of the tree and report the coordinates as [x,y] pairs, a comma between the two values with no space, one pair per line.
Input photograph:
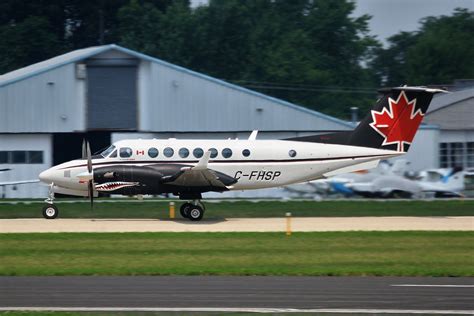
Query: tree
[441,51]
[27,42]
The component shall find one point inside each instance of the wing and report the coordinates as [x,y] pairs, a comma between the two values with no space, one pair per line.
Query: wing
[199,176]
[18,182]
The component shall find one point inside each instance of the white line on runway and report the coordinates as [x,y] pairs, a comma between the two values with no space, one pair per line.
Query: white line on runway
[238,310]
[433,285]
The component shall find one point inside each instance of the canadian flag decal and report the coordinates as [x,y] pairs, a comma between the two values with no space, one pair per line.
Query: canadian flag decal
[398,124]
[140,152]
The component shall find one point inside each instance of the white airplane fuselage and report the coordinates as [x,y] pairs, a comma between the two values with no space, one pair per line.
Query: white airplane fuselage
[255,164]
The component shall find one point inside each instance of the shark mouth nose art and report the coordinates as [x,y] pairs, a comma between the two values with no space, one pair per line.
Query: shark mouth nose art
[112,186]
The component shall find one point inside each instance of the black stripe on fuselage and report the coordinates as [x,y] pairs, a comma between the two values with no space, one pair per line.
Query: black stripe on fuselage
[222,161]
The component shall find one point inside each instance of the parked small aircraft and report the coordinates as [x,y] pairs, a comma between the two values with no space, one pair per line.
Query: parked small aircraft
[339,184]
[187,168]
[440,183]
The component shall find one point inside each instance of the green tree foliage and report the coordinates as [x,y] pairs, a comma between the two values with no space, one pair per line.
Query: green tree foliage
[441,51]
[27,42]
[289,49]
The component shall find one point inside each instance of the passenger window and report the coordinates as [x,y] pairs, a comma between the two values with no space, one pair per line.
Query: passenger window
[226,152]
[198,152]
[168,152]
[213,152]
[292,153]
[125,152]
[246,152]
[153,152]
[183,152]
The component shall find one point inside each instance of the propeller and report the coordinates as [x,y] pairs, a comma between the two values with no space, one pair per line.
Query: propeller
[86,154]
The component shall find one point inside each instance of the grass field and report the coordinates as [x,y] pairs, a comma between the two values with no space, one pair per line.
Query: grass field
[229,209]
[339,253]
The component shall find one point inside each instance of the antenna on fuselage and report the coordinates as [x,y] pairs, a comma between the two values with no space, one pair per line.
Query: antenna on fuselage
[253,135]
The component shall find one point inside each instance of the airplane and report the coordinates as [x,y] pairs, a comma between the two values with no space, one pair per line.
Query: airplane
[438,183]
[339,183]
[4,184]
[188,168]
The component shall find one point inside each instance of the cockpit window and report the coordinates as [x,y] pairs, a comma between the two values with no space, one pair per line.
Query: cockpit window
[108,151]
[113,155]
[125,152]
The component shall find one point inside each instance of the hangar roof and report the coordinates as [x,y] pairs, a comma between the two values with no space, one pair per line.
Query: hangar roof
[85,53]
[452,111]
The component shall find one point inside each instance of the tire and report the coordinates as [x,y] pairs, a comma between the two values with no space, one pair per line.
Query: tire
[50,211]
[196,213]
[184,210]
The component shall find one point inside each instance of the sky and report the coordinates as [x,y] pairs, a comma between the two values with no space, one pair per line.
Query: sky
[392,16]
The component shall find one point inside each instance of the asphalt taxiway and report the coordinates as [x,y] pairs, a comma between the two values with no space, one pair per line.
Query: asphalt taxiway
[239,293]
[298,224]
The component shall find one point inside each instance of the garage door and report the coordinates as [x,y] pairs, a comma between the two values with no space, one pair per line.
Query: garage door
[112,97]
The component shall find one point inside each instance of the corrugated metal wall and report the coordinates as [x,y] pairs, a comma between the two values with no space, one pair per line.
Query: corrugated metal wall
[46,103]
[173,100]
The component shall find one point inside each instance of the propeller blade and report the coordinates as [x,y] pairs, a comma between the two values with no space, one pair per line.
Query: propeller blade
[84,151]
[91,192]
[89,157]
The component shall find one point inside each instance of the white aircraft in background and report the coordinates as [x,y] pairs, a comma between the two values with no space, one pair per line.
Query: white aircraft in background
[432,183]
[4,184]
[187,168]
[339,183]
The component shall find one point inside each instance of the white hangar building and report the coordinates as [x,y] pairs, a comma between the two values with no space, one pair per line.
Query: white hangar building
[105,93]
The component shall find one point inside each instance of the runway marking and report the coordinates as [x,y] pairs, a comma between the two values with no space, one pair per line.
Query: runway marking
[238,310]
[433,285]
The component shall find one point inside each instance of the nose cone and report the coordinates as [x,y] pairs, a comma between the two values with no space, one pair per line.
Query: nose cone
[47,176]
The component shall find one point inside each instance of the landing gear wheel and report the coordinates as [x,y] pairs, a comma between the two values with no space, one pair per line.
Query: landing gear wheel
[50,211]
[196,213]
[184,210]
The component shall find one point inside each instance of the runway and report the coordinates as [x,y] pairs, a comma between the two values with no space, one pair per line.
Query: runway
[301,224]
[234,293]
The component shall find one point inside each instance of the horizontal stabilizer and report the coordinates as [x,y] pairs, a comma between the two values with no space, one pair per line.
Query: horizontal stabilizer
[353,168]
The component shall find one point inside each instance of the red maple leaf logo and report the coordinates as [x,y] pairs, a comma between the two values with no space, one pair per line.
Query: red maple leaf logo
[399,124]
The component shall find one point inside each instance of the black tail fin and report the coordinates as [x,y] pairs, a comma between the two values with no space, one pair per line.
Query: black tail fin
[391,124]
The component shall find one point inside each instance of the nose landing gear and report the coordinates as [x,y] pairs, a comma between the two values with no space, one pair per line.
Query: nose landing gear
[50,211]
[193,211]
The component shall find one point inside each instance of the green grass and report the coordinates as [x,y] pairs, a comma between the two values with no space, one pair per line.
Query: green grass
[228,209]
[332,253]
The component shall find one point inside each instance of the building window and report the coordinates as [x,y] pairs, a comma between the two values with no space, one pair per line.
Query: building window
[292,153]
[213,152]
[246,152]
[470,154]
[153,152]
[456,155]
[18,156]
[3,156]
[226,152]
[183,152]
[198,152]
[168,152]
[125,152]
[21,157]
[35,156]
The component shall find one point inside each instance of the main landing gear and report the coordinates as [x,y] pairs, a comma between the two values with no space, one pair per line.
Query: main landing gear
[50,211]
[193,211]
